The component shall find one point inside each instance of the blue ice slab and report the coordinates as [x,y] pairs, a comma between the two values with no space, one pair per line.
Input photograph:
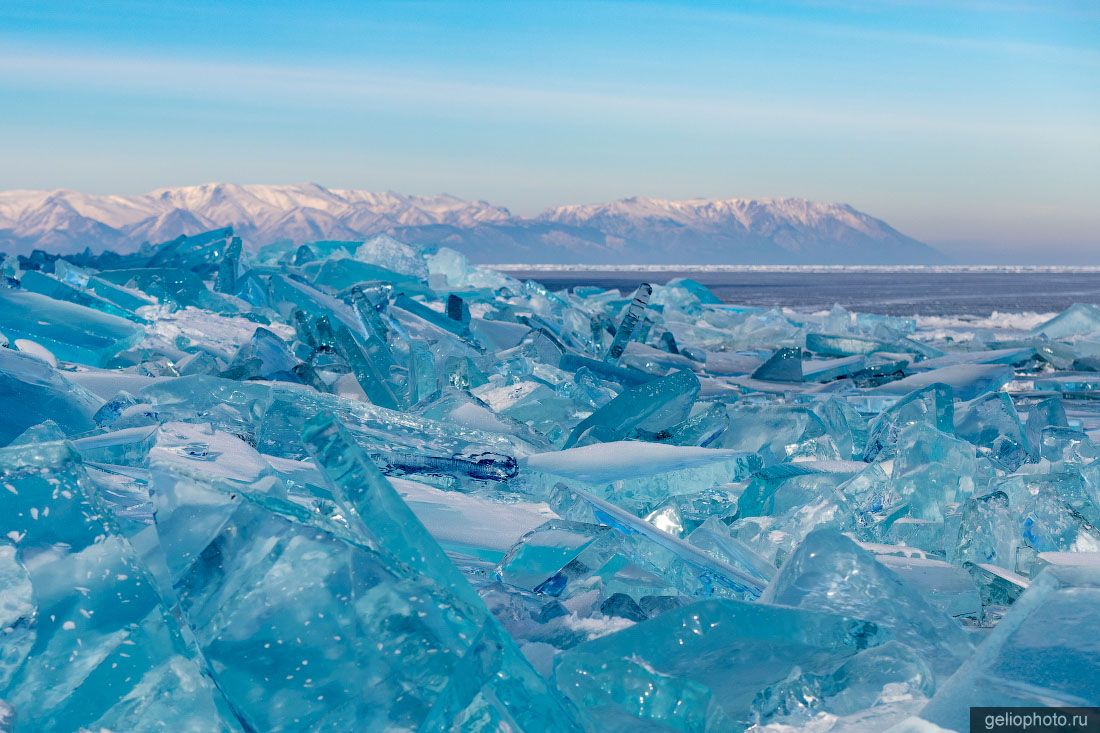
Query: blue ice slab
[967,380]
[1043,653]
[1080,319]
[992,424]
[48,285]
[785,365]
[99,647]
[660,403]
[637,476]
[267,586]
[831,573]
[70,331]
[699,667]
[933,405]
[32,392]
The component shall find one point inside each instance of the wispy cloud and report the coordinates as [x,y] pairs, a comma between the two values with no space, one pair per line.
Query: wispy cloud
[361,87]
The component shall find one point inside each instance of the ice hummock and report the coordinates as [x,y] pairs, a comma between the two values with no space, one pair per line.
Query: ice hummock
[353,485]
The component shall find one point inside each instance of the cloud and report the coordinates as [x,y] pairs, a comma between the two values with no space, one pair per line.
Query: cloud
[378,87]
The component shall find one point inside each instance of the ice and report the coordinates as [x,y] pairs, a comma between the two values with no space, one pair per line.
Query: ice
[92,638]
[368,485]
[635,475]
[70,332]
[701,666]
[1042,653]
[34,392]
[629,322]
[654,406]
[830,573]
[785,365]
[1080,319]
[992,424]
[891,674]
[967,380]
[933,405]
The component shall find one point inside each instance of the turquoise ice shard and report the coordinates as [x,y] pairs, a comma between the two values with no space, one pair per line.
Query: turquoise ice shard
[967,380]
[826,370]
[171,286]
[830,573]
[345,272]
[423,382]
[1043,653]
[992,424]
[889,675]
[840,346]
[933,470]
[229,267]
[693,571]
[947,587]
[660,403]
[32,392]
[18,613]
[1045,413]
[714,538]
[385,251]
[370,366]
[933,405]
[71,332]
[625,330]
[987,532]
[700,667]
[38,282]
[1080,319]
[696,288]
[536,561]
[265,356]
[634,475]
[105,649]
[498,675]
[374,509]
[785,365]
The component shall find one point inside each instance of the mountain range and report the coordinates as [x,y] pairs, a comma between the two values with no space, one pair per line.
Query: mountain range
[635,230]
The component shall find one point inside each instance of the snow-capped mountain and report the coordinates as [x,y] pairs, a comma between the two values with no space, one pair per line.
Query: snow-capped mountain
[634,230]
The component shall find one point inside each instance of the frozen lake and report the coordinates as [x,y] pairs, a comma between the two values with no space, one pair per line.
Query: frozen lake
[909,291]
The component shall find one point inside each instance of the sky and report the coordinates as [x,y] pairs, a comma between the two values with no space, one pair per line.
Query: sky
[973,125]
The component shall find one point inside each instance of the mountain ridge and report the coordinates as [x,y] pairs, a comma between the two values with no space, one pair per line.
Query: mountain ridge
[638,229]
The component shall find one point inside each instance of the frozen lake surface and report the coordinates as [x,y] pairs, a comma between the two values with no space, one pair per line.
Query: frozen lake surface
[909,291]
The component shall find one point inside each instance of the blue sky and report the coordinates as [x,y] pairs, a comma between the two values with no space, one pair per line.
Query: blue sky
[974,126]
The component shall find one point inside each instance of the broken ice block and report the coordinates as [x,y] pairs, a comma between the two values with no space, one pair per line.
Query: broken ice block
[830,573]
[884,674]
[265,356]
[771,430]
[1042,653]
[699,667]
[379,631]
[967,380]
[104,649]
[992,424]
[634,475]
[32,392]
[1080,319]
[785,365]
[629,321]
[71,332]
[676,565]
[933,405]
[660,403]
[933,470]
